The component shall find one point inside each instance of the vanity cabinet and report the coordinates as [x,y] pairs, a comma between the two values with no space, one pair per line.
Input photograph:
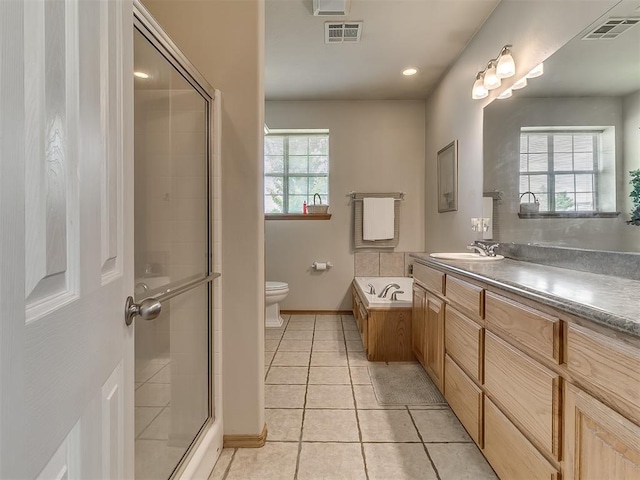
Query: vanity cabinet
[418,324]
[434,336]
[543,393]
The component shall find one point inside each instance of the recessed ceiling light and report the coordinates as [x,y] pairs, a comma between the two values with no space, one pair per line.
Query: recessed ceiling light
[407,72]
[141,74]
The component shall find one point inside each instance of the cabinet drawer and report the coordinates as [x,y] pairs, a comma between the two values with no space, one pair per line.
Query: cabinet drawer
[431,278]
[510,454]
[469,298]
[528,392]
[608,363]
[464,342]
[464,397]
[531,328]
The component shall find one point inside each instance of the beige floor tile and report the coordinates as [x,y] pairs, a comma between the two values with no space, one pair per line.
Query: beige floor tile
[302,318]
[327,318]
[274,461]
[271,345]
[298,335]
[144,416]
[138,385]
[273,333]
[428,407]
[330,425]
[398,461]
[328,335]
[352,335]
[163,376]
[358,359]
[329,376]
[284,396]
[355,346]
[287,376]
[221,465]
[145,370]
[295,346]
[331,461]
[158,429]
[458,461]
[153,395]
[283,424]
[439,426]
[301,325]
[268,356]
[291,359]
[328,359]
[329,326]
[155,459]
[387,426]
[349,323]
[329,396]
[328,346]
[366,399]
[360,376]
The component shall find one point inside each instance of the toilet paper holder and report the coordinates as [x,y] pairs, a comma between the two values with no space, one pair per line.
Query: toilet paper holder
[321,265]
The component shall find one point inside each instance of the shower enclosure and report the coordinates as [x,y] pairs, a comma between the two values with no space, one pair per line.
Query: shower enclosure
[175,204]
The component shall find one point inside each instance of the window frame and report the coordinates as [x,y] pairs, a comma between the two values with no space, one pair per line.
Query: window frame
[286,175]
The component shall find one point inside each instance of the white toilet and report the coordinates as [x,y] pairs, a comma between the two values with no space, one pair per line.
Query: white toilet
[275,292]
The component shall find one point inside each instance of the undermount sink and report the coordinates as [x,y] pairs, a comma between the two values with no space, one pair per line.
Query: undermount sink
[466,256]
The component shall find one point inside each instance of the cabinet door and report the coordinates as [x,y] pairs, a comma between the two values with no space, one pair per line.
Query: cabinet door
[600,443]
[435,340]
[418,323]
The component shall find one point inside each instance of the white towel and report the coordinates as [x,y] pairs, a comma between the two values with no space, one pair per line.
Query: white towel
[378,218]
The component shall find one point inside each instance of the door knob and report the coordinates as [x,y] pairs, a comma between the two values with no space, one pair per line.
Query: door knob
[148,309]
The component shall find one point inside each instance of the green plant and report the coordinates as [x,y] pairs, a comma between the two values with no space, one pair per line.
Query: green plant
[563,202]
[635,196]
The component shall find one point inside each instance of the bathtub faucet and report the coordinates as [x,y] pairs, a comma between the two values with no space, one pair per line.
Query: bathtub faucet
[383,293]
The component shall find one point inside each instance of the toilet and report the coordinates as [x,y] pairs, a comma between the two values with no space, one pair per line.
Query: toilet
[275,293]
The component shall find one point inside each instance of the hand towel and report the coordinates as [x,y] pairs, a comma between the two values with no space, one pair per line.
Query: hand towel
[378,218]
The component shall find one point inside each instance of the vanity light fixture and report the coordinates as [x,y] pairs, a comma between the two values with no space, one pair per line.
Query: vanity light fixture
[506,94]
[141,75]
[479,91]
[503,66]
[519,84]
[537,71]
[407,72]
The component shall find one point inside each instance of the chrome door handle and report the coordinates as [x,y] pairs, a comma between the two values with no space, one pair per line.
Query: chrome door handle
[148,309]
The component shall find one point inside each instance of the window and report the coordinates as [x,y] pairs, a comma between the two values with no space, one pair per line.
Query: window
[296,166]
[564,169]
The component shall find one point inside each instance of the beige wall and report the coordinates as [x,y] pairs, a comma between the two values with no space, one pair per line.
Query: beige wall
[536,29]
[375,146]
[207,32]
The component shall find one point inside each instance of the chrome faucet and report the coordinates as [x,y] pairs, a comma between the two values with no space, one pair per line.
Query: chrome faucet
[383,293]
[394,295]
[372,290]
[483,249]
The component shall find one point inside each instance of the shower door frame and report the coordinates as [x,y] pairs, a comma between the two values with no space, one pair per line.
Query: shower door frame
[205,449]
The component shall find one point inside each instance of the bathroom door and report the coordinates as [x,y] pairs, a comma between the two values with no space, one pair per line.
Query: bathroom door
[66,239]
[174,257]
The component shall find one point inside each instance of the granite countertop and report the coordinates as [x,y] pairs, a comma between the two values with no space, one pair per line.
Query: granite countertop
[610,301]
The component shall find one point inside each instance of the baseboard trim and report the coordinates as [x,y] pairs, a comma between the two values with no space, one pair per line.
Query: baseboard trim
[316,312]
[246,441]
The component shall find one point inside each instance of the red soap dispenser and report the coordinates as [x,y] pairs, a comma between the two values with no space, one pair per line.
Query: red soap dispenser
[304,207]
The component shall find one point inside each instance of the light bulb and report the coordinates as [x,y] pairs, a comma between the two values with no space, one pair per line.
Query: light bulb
[506,94]
[506,66]
[407,72]
[537,71]
[479,91]
[519,84]
[491,79]
[141,74]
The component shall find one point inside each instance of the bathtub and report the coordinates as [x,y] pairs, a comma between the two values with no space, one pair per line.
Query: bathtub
[372,301]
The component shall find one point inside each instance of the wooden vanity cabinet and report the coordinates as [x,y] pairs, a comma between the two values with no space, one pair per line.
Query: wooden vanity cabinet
[434,339]
[418,324]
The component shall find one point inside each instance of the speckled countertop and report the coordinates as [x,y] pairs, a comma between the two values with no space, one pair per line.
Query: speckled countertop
[610,301]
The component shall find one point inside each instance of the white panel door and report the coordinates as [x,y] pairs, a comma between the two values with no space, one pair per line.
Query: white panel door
[66,239]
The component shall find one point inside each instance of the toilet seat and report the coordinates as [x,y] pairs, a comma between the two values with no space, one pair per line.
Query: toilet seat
[276,286]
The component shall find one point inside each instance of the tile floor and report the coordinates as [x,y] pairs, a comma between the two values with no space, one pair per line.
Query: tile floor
[324,421]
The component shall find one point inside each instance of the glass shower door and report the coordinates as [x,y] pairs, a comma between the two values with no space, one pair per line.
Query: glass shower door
[172,260]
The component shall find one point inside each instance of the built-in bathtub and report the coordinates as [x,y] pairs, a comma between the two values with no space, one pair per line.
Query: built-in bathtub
[372,301]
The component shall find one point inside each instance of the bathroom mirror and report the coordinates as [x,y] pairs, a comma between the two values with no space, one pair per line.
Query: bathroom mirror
[571,137]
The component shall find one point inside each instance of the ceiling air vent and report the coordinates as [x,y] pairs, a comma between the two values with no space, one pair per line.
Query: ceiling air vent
[330,8]
[338,32]
[611,29]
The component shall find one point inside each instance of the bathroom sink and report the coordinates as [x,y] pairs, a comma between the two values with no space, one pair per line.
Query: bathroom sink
[466,256]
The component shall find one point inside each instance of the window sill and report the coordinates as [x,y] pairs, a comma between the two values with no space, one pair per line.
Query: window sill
[569,215]
[297,216]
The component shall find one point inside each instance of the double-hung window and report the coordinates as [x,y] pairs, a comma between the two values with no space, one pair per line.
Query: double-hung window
[296,166]
[563,169]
